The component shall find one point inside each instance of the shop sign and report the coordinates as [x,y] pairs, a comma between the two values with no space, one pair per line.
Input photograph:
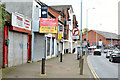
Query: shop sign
[44,11]
[61,28]
[20,21]
[48,25]
[59,36]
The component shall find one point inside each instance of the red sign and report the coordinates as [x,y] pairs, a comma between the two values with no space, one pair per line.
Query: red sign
[91,44]
[21,21]
[48,25]
[85,43]
[75,31]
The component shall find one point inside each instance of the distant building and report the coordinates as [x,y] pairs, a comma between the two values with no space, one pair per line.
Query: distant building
[108,39]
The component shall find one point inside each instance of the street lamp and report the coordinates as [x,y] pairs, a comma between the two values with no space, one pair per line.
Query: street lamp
[87,21]
[96,34]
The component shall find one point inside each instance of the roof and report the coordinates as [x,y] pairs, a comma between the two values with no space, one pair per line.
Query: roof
[108,35]
[61,7]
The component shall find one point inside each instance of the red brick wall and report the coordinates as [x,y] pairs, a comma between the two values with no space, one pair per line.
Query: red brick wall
[53,12]
[92,37]
[67,27]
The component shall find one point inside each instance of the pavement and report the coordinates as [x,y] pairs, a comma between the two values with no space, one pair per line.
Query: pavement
[69,68]
[0,74]
[103,67]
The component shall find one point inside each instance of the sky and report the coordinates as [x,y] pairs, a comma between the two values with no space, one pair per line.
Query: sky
[104,17]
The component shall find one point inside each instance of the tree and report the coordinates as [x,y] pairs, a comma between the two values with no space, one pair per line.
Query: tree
[85,30]
[3,15]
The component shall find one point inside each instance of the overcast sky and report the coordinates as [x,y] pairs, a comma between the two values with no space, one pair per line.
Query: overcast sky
[105,13]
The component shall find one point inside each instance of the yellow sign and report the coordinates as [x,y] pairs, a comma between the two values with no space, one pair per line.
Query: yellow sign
[59,36]
[48,25]
[48,29]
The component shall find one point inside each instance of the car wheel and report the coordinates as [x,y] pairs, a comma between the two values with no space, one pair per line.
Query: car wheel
[109,59]
[112,60]
[106,56]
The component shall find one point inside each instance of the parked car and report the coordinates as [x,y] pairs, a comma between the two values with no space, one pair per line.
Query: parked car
[115,56]
[108,53]
[97,52]
[91,49]
[106,50]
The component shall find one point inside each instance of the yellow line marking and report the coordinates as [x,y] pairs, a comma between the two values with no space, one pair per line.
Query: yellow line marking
[93,72]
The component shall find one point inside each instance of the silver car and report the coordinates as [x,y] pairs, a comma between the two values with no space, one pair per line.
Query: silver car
[108,53]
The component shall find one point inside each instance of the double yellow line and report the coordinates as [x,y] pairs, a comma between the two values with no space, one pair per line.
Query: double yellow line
[92,71]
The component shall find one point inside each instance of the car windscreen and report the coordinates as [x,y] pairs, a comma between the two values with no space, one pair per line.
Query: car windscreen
[110,51]
[116,53]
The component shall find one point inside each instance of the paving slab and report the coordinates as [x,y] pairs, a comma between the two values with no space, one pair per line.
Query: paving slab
[69,68]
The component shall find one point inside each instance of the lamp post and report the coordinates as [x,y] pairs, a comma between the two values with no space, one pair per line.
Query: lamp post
[87,21]
[81,30]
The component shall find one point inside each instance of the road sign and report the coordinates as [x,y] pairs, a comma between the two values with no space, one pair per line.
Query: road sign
[85,43]
[61,28]
[75,37]
[59,36]
[75,31]
[100,43]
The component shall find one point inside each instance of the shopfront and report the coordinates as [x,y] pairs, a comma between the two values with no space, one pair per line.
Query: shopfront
[15,51]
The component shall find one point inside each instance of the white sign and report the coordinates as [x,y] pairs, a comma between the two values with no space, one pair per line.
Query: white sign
[100,43]
[75,37]
[20,21]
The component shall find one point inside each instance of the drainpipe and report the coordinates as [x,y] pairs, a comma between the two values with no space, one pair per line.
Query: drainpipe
[32,56]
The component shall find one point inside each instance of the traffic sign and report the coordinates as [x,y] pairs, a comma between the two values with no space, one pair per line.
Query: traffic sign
[75,31]
[75,37]
[59,36]
[60,28]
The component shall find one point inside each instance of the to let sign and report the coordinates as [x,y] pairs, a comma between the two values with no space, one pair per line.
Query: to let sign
[48,25]
[20,21]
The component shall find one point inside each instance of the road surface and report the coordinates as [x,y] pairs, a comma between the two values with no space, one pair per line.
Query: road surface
[102,66]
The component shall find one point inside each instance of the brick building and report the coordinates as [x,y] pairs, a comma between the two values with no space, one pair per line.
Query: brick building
[108,39]
[70,22]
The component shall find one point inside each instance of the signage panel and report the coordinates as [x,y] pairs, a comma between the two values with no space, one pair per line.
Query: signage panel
[48,25]
[44,11]
[59,36]
[61,28]
[100,43]
[75,31]
[20,21]
[75,37]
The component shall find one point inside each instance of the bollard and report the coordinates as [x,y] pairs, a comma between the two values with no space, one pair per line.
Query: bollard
[81,66]
[60,57]
[43,66]
[78,57]
[83,53]
[80,60]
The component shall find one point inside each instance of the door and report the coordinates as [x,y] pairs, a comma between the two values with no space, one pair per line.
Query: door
[29,48]
[17,50]
[52,46]
[48,46]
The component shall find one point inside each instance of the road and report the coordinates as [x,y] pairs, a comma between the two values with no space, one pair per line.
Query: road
[102,66]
